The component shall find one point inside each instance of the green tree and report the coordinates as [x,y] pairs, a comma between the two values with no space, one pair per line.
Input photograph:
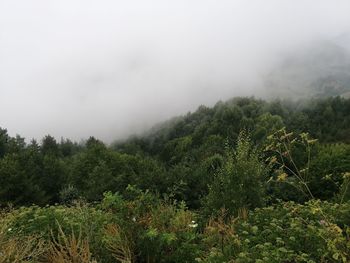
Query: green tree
[327,169]
[49,146]
[54,175]
[17,187]
[3,142]
[266,124]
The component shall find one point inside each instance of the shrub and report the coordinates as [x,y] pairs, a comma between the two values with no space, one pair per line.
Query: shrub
[287,232]
[68,195]
[46,222]
[240,182]
[149,229]
[17,249]
[169,234]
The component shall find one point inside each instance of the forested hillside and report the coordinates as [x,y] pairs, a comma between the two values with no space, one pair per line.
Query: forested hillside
[246,180]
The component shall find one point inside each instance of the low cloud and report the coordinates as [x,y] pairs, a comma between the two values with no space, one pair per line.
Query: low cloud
[112,68]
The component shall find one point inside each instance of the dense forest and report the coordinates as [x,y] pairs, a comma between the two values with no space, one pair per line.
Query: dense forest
[246,180]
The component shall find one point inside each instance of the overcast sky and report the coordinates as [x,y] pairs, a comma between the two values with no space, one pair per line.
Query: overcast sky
[75,68]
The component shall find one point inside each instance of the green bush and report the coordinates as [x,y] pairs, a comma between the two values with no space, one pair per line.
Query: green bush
[287,232]
[241,181]
[45,222]
[144,228]
[156,230]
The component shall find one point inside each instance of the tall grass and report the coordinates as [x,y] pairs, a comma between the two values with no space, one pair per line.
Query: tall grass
[119,244]
[68,249]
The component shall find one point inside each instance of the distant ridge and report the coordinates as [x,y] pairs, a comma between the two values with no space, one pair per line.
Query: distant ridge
[320,70]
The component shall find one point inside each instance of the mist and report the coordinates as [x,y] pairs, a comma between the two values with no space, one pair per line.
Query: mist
[114,68]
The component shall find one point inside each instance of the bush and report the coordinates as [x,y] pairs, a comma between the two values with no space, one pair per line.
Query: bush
[149,229]
[287,232]
[50,221]
[16,249]
[68,195]
[240,183]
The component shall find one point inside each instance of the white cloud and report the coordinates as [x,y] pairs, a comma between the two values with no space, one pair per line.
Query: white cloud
[106,68]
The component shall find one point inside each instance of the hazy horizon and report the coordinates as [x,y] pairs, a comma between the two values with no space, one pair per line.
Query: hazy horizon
[110,68]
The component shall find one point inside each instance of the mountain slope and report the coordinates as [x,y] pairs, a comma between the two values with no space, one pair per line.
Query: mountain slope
[321,70]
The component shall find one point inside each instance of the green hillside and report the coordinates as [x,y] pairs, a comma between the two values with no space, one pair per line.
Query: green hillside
[246,180]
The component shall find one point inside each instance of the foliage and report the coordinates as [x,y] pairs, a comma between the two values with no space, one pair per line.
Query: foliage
[68,248]
[240,183]
[328,170]
[149,229]
[17,249]
[222,184]
[68,195]
[86,222]
[344,192]
[119,244]
[282,149]
[287,232]
[167,232]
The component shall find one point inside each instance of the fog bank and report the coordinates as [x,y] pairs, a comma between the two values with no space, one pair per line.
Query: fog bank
[112,68]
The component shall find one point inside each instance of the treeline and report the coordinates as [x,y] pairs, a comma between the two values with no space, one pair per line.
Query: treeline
[326,119]
[179,158]
[55,172]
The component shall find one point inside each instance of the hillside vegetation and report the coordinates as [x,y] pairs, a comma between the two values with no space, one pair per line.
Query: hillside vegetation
[244,181]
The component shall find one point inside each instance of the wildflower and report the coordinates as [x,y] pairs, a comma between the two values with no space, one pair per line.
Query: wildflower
[322,222]
[134,219]
[273,160]
[193,224]
[282,177]
[9,230]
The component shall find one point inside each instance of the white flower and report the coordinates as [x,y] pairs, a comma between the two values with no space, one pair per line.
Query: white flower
[193,224]
[9,230]
[134,219]
[322,222]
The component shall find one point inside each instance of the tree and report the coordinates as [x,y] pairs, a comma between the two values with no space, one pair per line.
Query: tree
[266,124]
[17,186]
[49,146]
[3,142]
[327,170]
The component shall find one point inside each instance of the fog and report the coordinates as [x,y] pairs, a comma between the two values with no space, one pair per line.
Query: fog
[76,68]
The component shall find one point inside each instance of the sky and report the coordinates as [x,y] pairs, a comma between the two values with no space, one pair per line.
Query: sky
[111,68]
